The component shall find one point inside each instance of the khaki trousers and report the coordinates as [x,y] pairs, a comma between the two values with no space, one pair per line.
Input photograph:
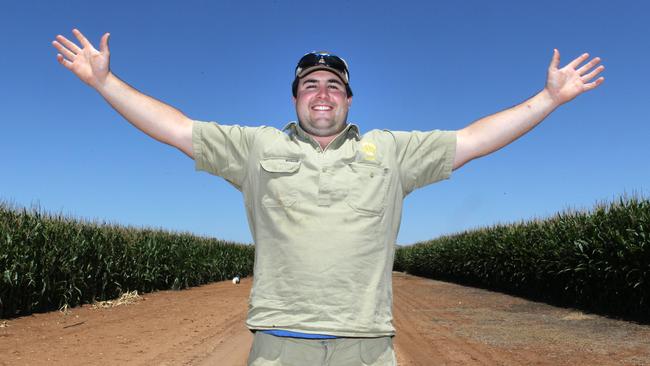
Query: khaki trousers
[270,350]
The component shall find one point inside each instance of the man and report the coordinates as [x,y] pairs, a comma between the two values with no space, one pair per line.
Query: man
[323,201]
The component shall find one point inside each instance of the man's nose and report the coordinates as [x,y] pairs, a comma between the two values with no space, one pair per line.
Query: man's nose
[323,92]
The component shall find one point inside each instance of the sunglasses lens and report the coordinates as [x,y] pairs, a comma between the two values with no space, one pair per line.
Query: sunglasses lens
[308,60]
[313,59]
[336,63]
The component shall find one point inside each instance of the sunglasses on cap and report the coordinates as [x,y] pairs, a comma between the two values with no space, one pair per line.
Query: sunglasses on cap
[325,60]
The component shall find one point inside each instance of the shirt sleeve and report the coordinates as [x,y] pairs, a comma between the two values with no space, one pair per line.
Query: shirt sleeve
[424,157]
[222,150]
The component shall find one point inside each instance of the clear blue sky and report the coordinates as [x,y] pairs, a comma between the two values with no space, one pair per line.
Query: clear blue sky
[415,65]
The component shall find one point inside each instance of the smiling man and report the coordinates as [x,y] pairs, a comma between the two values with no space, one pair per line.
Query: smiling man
[322,95]
[323,201]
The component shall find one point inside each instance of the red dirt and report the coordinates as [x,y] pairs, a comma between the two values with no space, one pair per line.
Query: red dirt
[437,323]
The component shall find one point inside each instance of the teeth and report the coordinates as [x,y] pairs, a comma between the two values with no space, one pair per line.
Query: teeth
[322,108]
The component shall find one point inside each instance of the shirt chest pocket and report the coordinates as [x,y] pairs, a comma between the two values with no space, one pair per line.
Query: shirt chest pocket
[368,188]
[278,179]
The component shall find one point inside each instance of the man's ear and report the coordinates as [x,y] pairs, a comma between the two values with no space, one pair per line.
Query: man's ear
[294,100]
[349,102]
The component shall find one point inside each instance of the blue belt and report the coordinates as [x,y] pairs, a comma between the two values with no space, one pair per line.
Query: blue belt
[288,333]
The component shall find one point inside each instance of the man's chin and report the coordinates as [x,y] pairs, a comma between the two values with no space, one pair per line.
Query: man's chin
[323,131]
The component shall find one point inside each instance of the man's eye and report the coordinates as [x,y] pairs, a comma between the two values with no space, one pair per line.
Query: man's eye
[334,87]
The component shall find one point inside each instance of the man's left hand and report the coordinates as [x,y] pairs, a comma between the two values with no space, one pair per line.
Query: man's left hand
[570,81]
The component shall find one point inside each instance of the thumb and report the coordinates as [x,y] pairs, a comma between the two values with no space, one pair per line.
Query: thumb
[103,44]
[555,61]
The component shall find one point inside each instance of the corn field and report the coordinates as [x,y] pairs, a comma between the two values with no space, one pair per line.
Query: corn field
[48,261]
[597,260]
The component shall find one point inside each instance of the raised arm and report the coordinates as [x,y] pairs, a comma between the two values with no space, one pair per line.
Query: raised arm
[493,132]
[153,117]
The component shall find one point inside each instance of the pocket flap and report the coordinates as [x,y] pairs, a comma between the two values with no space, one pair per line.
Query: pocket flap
[280,165]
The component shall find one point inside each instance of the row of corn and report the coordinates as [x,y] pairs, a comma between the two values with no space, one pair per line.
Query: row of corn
[597,260]
[51,261]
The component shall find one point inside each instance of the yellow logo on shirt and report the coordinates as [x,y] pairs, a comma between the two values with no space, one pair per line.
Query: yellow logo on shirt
[369,150]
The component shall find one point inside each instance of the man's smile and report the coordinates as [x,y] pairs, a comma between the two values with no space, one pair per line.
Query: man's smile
[322,107]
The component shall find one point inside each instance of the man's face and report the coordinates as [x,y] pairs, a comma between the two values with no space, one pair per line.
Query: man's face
[322,103]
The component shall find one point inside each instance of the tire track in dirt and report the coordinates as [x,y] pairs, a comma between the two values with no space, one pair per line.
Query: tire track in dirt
[441,323]
[230,351]
[424,329]
[222,343]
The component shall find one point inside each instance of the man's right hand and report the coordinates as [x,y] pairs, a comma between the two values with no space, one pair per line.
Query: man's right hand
[90,65]
[153,117]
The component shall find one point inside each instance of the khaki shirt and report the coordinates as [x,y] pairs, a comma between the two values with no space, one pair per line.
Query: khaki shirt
[324,222]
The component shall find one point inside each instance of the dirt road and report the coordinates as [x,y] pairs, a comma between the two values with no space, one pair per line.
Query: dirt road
[437,324]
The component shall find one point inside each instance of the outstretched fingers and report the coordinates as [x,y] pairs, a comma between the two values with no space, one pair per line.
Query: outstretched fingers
[594,84]
[69,55]
[588,66]
[593,74]
[580,59]
[64,62]
[68,44]
[84,42]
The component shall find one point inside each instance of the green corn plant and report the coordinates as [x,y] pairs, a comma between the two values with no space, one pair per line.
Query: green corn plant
[52,261]
[597,260]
